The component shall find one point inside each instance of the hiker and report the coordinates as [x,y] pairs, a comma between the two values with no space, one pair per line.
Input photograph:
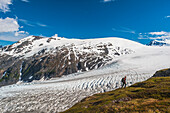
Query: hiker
[124,82]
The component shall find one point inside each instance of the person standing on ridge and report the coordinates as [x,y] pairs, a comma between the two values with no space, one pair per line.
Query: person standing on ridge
[124,82]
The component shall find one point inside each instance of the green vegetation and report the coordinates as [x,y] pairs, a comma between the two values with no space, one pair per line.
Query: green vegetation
[10,76]
[26,71]
[151,96]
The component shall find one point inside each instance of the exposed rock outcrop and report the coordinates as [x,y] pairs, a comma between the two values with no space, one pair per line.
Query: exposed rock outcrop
[162,73]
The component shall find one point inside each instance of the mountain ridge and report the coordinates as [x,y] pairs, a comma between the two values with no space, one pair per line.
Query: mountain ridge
[35,58]
[162,42]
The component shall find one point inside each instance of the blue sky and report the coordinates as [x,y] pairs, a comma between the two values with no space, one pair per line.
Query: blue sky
[138,20]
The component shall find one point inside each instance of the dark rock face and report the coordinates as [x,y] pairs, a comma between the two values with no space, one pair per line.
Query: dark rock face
[64,62]
[158,43]
[37,38]
[39,66]
[9,70]
[162,73]
[155,43]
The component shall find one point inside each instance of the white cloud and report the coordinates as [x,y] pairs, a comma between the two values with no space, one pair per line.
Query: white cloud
[42,25]
[8,25]
[11,36]
[125,30]
[32,24]
[26,22]
[108,1]
[155,35]
[18,33]
[161,37]
[158,33]
[25,0]
[4,5]
[9,30]
[167,16]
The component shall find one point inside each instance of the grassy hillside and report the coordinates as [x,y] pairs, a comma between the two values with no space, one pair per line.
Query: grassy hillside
[149,96]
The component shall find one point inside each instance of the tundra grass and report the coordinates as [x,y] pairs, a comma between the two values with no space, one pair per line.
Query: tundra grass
[151,96]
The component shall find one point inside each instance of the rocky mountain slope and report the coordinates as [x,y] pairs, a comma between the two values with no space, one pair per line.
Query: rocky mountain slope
[36,58]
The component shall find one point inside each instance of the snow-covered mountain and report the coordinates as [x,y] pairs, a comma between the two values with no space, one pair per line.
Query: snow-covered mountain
[36,58]
[164,42]
[59,94]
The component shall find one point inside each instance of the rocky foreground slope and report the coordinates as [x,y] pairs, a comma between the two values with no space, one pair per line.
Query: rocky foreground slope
[36,58]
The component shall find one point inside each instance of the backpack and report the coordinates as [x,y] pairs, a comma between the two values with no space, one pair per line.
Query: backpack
[122,80]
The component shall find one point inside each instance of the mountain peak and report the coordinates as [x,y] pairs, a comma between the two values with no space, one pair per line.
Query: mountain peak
[161,42]
[56,56]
